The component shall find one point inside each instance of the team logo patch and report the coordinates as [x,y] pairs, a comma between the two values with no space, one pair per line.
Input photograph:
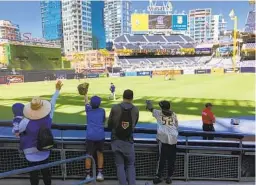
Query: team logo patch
[125,125]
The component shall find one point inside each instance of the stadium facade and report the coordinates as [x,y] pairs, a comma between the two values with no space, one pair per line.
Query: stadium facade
[98,29]
[51,20]
[8,30]
[203,26]
[77,25]
[117,16]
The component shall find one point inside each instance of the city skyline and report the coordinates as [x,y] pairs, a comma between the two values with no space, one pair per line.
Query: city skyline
[30,21]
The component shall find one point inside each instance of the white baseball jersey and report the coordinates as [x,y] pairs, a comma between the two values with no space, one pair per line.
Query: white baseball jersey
[167,127]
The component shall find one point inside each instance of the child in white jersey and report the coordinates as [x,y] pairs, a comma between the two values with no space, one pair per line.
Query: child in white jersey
[167,134]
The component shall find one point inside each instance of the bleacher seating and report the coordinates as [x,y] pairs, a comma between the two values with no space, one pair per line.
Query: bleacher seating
[175,39]
[153,42]
[250,22]
[249,46]
[135,39]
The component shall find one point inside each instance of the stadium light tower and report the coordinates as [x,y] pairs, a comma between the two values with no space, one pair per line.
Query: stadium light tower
[234,18]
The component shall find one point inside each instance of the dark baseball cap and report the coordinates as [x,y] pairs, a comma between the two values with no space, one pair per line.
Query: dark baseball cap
[208,105]
[165,105]
[95,101]
[128,94]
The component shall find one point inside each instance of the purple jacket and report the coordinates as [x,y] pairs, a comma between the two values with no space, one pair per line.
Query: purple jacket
[29,130]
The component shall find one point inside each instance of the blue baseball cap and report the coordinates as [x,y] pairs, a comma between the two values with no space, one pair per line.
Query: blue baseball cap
[17,109]
[95,101]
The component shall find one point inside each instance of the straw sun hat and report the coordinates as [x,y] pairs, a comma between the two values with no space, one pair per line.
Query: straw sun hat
[37,109]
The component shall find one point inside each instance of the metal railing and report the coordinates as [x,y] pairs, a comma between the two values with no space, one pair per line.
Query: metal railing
[196,159]
[53,164]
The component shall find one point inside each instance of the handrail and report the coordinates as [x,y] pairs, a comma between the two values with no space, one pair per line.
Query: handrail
[53,164]
[141,130]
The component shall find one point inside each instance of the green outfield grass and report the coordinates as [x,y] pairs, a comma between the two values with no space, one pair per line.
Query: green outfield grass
[232,95]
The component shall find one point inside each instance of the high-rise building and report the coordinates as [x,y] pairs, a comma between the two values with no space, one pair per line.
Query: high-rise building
[117,16]
[203,26]
[51,20]
[77,27]
[9,31]
[98,30]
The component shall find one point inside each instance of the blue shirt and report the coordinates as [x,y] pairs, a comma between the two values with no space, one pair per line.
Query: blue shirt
[95,123]
[112,88]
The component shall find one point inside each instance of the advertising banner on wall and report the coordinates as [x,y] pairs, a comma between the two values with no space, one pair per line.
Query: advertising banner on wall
[92,75]
[103,75]
[230,70]
[203,50]
[179,22]
[203,71]
[169,72]
[217,70]
[247,70]
[159,22]
[144,73]
[188,71]
[130,73]
[15,78]
[114,75]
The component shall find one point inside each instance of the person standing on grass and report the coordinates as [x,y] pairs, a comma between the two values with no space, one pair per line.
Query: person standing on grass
[122,121]
[113,91]
[208,120]
[95,135]
[33,130]
[167,134]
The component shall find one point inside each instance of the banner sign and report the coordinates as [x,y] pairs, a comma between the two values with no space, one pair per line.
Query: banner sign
[114,74]
[92,75]
[103,75]
[169,72]
[203,71]
[96,71]
[203,50]
[2,80]
[130,73]
[157,22]
[179,22]
[247,70]
[144,73]
[15,78]
[97,65]
[188,71]
[217,70]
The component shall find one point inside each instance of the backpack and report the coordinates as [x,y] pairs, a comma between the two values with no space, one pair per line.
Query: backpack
[124,129]
[44,139]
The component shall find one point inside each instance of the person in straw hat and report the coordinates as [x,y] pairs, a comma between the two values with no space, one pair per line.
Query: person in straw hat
[37,114]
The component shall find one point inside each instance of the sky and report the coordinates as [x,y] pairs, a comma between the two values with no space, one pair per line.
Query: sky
[27,13]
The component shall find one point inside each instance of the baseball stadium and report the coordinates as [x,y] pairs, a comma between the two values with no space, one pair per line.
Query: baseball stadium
[156,66]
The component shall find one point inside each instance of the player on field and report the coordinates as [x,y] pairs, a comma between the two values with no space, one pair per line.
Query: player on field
[113,91]
[167,134]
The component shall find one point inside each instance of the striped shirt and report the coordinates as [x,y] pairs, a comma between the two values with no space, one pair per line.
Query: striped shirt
[167,127]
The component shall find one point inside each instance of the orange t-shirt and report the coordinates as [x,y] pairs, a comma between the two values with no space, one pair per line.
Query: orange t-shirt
[207,116]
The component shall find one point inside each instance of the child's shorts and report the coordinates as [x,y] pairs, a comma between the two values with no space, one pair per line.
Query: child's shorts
[94,146]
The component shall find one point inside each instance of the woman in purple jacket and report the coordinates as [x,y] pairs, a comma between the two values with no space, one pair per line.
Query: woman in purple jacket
[38,113]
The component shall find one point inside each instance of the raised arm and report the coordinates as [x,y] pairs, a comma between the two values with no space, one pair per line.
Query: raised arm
[54,97]
[86,100]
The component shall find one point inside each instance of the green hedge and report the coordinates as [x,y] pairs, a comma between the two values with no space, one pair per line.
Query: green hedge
[34,58]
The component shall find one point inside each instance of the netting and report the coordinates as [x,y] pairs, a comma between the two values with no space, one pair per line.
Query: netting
[11,159]
[212,166]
